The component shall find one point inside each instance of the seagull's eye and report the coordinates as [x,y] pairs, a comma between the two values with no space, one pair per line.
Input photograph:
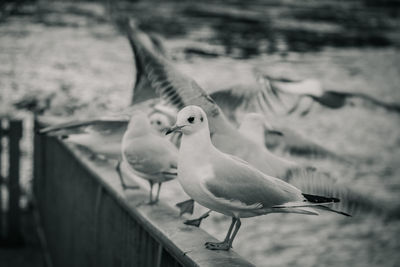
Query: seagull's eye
[201,118]
[190,119]
[158,122]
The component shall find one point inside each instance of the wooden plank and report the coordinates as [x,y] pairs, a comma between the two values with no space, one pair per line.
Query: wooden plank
[13,218]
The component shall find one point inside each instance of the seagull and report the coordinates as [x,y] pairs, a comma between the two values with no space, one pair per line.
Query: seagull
[312,88]
[229,185]
[252,127]
[147,154]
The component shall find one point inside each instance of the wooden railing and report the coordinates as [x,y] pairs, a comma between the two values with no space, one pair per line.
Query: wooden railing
[10,135]
[88,220]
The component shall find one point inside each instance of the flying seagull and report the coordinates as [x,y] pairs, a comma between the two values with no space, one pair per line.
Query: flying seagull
[312,88]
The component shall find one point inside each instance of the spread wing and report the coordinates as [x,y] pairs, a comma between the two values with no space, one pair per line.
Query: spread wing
[167,82]
[237,101]
[173,86]
[102,125]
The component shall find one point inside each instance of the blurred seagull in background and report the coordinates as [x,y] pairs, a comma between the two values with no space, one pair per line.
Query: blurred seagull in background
[230,185]
[147,154]
[312,88]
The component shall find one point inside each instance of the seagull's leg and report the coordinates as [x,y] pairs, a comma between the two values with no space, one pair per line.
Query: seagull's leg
[197,222]
[185,207]
[151,201]
[226,245]
[237,226]
[158,193]
[121,178]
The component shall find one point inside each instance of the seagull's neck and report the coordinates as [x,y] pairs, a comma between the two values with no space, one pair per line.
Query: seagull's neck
[195,144]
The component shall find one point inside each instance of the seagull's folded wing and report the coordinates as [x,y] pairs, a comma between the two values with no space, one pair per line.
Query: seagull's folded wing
[237,182]
[152,155]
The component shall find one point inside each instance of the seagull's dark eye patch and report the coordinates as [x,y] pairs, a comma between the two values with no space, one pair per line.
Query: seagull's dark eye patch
[201,118]
[158,122]
[190,119]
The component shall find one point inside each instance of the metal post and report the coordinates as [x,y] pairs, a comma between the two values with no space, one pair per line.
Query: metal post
[13,222]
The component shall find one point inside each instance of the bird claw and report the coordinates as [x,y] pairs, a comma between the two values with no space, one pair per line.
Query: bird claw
[217,246]
[186,207]
[194,222]
[197,222]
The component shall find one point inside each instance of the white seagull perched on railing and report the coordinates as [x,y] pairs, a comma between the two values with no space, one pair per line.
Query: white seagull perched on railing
[231,186]
[147,154]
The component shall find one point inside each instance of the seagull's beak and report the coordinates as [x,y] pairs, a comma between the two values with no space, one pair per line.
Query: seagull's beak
[174,129]
[271,130]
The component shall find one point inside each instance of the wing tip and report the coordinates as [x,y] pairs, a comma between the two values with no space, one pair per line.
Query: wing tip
[320,199]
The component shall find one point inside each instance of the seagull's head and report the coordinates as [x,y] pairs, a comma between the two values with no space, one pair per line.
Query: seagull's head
[159,121]
[189,120]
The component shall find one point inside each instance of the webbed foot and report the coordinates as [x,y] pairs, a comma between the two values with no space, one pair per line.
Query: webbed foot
[217,245]
[186,206]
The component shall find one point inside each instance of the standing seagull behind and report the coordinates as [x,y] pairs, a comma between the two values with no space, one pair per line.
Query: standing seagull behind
[147,154]
[231,186]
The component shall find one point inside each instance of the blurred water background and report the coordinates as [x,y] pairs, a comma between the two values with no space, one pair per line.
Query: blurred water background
[72,52]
